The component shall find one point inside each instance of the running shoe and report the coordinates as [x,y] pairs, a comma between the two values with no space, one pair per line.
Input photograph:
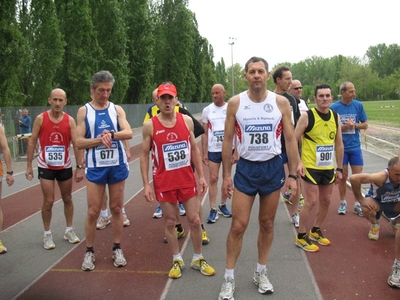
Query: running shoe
[296,220]
[373,233]
[204,238]
[180,234]
[306,244]
[286,196]
[223,210]
[261,280]
[394,278]
[213,217]
[342,207]
[301,202]
[227,289]
[182,211]
[125,220]
[176,269]
[394,226]
[119,259]
[203,266]
[103,222]
[158,213]
[2,248]
[319,237]
[71,237]
[88,261]
[48,242]
[357,209]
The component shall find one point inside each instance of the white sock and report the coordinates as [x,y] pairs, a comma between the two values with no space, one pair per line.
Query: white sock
[104,213]
[230,273]
[47,232]
[196,256]
[260,267]
[68,229]
[343,201]
[178,256]
[123,210]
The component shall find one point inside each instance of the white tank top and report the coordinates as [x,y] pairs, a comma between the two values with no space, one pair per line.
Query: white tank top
[258,128]
[214,116]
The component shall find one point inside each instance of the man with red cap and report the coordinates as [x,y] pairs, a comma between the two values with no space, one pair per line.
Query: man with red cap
[170,138]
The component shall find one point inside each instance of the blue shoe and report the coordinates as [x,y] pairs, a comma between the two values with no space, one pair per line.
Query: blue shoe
[286,197]
[158,213]
[213,216]
[223,210]
[182,211]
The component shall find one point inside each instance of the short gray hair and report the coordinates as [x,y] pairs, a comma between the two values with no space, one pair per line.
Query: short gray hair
[102,76]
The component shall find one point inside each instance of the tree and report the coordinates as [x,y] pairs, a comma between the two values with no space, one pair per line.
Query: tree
[12,49]
[81,55]
[140,20]
[46,46]
[384,60]
[110,30]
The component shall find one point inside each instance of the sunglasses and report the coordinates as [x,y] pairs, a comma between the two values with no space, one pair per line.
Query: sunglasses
[298,88]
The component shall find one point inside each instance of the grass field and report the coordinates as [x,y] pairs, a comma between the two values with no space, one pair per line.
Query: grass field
[385,112]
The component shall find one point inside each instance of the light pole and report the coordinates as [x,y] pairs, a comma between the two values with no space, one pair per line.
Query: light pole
[232,42]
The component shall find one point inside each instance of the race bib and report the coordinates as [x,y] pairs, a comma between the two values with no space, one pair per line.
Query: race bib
[324,155]
[54,155]
[176,155]
[106,157]
[218,138]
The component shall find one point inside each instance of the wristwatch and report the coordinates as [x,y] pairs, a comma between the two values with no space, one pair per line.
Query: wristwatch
[294,176]
[79,166]
[112,134]
[10,173]
[339,170]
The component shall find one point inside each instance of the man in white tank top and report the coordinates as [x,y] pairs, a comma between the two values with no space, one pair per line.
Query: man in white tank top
[257,117]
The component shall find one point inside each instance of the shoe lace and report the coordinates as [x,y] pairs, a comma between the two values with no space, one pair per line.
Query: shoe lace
[176,265]
[374,228]
[88,257]
[263,276]
[119,257]
[318,231]
[227,287]
[203,264]
[396,270]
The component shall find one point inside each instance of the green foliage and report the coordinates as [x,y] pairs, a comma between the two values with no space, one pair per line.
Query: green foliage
[111,32]
[12,49]
[82,50]
[62,43]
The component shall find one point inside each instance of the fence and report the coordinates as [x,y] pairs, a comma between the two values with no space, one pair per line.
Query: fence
[10,120]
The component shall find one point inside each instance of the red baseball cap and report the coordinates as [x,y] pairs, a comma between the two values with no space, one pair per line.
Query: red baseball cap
[166,89]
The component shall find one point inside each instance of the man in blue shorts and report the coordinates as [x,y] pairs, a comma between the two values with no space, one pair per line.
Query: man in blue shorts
[102,128]
[353,119]
[383,196]
[213,117]
[257,117]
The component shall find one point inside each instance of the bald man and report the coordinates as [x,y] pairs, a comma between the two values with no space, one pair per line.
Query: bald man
[55,130]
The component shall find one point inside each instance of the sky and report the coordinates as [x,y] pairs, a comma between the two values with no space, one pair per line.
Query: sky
[292,31]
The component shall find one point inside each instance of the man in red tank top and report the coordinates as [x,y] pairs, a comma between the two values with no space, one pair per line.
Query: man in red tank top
[169,136]
[55,130]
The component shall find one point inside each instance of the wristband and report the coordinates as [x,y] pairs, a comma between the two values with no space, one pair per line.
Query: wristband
[293,176]
[10,173]
[339,170]
[79,166]
[112,134]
